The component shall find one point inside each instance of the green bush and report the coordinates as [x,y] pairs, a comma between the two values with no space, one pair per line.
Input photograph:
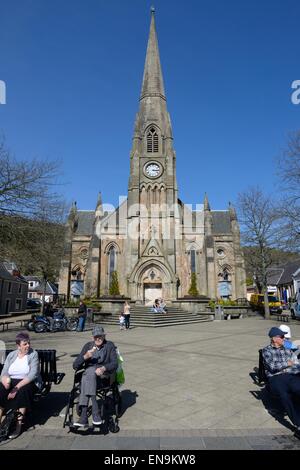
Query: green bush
[92,302]
[72,303]
[224,302]
[114,285]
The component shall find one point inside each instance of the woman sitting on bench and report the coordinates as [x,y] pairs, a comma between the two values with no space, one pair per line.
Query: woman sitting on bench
[18,377]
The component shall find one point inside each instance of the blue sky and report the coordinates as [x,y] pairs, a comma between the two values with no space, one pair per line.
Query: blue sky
[73,72]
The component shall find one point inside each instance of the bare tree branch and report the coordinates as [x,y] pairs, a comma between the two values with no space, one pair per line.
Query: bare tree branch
[289,173]
[259,219]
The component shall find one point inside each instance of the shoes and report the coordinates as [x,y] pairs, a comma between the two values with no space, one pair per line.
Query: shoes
[83,422]
[17,431]
[97,419]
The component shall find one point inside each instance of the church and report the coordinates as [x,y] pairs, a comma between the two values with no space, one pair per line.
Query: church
[154,244]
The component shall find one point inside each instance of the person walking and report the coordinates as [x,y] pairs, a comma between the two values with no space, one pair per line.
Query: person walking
[82,314]
[126,314]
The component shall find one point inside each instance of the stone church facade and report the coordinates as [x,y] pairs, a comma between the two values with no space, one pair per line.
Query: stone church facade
[153,240]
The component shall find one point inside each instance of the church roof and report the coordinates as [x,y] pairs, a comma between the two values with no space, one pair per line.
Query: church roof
[221,222]
[85,222]
[288,270]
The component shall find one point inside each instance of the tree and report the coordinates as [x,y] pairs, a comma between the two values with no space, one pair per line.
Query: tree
[25,185]
[259,223]
[193,291]
[31,215]
[114,285]
[289,174]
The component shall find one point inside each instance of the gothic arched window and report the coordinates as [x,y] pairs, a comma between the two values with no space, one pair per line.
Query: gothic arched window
[152,140]
[193,261]
[112,261]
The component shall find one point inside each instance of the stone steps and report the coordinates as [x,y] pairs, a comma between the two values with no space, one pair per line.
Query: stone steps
[142,316]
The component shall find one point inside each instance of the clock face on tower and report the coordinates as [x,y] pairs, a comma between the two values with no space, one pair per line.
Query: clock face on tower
[152,170]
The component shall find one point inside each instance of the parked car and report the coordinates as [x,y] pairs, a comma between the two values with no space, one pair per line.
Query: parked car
[257,303]
[33,304]
[295,310]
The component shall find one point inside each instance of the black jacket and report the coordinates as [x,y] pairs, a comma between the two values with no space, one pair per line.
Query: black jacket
[110,360]
[82,310]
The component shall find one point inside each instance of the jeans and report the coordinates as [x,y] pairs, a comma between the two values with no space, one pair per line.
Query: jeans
[286,386]
[81,323]
[127,321]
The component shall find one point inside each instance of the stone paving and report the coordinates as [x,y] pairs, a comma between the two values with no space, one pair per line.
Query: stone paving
[187,387]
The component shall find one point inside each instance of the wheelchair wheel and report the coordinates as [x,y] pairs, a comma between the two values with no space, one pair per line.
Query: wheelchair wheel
[71,407]
[113,426]
[119,406]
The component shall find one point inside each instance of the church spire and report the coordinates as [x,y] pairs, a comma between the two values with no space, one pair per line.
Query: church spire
[206,203]
[99,206]
[232,212]
[153,84]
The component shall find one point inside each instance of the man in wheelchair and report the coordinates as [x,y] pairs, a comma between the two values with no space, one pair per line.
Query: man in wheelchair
[99,358]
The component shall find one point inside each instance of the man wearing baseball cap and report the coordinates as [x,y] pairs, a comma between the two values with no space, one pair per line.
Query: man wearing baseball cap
[282,370]
[288,344]
[99,358]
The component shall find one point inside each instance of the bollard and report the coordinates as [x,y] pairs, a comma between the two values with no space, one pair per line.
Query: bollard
[219,314]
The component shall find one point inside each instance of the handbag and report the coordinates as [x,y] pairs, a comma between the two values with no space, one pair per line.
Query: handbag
[120,376]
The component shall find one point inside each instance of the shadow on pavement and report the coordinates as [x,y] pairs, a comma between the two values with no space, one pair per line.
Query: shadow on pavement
[271,403]
[47,407]
[128,400]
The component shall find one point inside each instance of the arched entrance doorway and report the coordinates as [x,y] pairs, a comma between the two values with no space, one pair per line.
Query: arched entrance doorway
[150,280]
[152,285]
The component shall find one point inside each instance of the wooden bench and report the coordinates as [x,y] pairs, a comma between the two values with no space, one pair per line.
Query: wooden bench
[23,322]
[5,324]
[229,316]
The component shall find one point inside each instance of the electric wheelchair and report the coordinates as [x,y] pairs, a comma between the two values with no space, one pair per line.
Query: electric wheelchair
[110,404]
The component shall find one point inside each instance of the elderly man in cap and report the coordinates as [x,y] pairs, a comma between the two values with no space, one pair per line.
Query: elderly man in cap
[99,358]
[282,369]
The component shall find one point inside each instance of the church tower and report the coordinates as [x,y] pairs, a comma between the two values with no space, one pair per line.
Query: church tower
[152,188]
[155,244]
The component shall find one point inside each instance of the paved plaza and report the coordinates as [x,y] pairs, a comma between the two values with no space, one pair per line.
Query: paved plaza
[187,387]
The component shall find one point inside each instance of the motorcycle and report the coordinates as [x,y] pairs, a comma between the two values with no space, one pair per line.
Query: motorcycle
[41,323]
